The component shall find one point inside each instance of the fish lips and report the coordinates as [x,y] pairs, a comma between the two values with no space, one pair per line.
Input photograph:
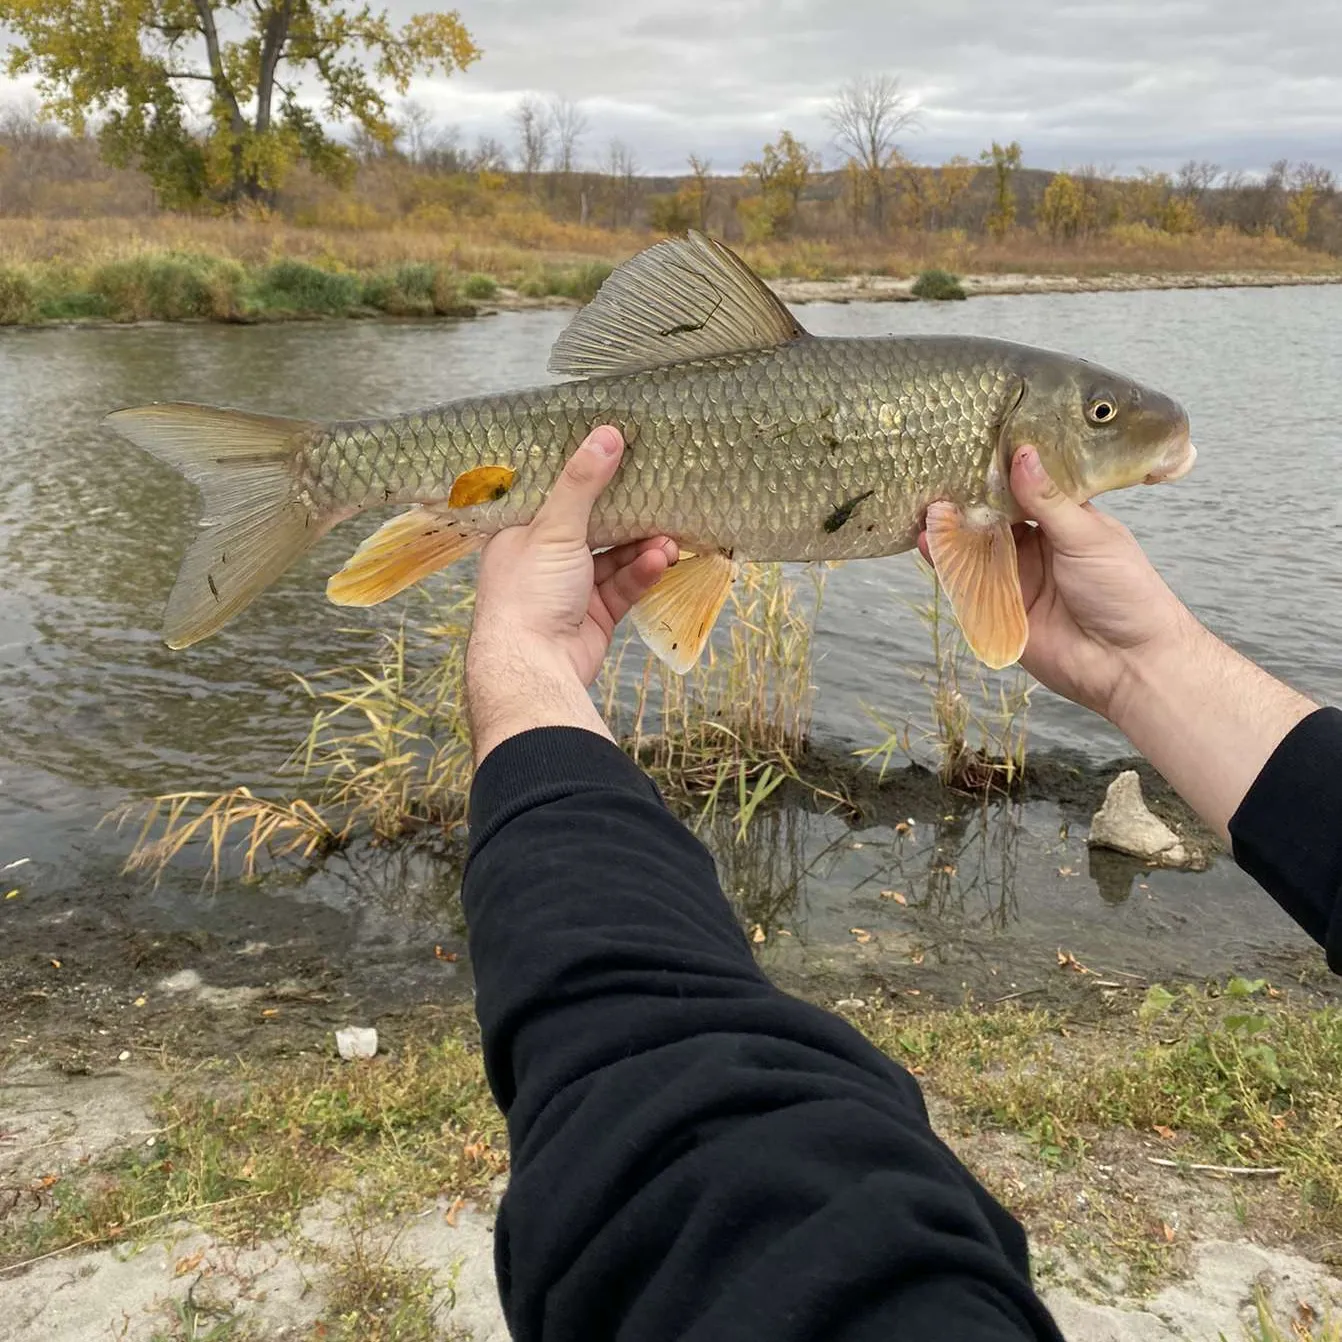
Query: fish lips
[1178,462]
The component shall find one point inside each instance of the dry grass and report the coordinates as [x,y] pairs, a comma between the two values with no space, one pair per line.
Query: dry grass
[979,726]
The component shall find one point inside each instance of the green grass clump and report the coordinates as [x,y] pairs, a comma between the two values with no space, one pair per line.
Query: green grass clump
[480,287]
[18,303]
[398,1129]
[577,282]
[169,287]
[1240,1079]
[296,288]
[416,289]
[938,286]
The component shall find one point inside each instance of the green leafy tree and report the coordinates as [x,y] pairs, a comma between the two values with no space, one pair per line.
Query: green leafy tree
[781,172]
[1067,210]
[132,66]
[1004,161]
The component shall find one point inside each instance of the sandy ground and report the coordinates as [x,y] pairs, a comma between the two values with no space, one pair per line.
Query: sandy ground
[885,289]
[181,1282]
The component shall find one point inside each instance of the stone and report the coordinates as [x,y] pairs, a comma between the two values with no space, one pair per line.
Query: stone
[1125,824]
[355,1042]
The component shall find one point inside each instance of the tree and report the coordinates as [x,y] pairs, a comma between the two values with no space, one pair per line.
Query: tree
[933,193]
[134,65]
[569,124]
[1066,209]
[1005,159]
[699,191]
[533,136]
[867,116]
[781,172]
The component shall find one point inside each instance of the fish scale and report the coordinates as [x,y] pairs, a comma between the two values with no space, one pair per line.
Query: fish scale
[749,453]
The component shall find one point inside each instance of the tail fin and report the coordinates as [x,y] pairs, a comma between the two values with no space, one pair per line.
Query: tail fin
[254,525]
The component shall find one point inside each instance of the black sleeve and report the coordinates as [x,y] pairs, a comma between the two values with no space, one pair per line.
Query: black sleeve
[695,1154]
[1287,832]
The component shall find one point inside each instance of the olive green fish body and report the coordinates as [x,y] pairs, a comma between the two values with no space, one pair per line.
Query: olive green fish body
[824,449]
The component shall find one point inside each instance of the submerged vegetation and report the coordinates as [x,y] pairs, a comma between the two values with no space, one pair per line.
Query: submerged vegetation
[388,753]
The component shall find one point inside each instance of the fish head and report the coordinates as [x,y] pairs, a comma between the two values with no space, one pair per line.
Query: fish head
[1097,430]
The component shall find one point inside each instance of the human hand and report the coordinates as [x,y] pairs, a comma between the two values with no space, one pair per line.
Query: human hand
[546,608]
[1096,606]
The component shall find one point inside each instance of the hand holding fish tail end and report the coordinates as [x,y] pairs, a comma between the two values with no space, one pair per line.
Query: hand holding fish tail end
[546,608]
[1095,604]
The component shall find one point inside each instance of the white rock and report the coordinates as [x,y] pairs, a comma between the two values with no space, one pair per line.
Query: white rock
[1125,824]
[355,1042]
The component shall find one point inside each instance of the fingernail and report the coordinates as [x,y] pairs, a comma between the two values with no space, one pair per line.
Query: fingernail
[1031,465]
[605,440]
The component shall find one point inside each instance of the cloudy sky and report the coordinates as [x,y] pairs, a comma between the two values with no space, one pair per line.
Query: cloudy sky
[1122,84]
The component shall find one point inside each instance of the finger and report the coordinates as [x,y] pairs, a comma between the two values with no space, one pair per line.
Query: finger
[607,562]
[1030,563]
[627,586]
[923,548]
[1068,524]
[566,513]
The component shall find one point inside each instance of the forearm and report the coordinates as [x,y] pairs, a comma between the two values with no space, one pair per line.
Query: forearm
[1207,718]
[696,1155]
[513,688]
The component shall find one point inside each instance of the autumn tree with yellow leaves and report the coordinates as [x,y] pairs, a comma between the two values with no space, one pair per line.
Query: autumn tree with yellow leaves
[206,96]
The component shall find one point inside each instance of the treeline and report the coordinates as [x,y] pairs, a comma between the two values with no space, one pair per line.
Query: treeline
[426,176]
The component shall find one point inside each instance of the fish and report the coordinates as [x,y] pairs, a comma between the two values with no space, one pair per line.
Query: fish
[748,439]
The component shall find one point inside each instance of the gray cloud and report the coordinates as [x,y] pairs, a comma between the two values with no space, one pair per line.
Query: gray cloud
[1142,83]
[1119,84]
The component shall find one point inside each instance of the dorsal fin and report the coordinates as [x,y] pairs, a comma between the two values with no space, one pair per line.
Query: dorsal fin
[686,298]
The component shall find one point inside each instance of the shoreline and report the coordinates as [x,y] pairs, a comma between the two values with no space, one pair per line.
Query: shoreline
[799,292]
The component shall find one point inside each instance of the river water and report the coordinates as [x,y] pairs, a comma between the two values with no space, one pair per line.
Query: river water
[96,710]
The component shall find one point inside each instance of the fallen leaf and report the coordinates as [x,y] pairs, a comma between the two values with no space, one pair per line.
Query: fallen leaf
[124,1055]
[916,958]
[1163,1131]
[188,1264]
[898,896]
[916,1071]
[450,956]
[948,869]
[55,964]
[271,1011]
[757,934]
[450,1216]
[857,845]
[12,894]
[1066,871]
[904,826]
[913,992]
[1168,1231]
[783,932]
[248,1170]
[46,1181]
[1069,961]
[862,935]
[139,1001]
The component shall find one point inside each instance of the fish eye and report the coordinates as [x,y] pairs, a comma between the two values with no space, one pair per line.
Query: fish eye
[1101,410]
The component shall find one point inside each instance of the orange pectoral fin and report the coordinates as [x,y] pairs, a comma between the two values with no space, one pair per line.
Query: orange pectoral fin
[397,555]
[976,566]
[484,484]
[677,616]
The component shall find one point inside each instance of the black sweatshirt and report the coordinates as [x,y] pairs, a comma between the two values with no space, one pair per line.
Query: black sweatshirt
[697,1155]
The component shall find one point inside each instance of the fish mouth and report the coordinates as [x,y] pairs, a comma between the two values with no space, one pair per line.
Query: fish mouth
[1178,462]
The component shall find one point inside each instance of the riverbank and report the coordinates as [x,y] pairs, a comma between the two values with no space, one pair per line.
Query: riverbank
[211,1163]
[184,269]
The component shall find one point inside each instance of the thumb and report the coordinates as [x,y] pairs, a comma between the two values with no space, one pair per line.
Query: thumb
[566,513]
[1068,524]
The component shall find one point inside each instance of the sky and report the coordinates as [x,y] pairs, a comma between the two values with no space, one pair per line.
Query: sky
[1122,84]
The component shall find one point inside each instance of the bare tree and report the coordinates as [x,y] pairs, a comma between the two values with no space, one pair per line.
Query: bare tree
[569,124]
[867,116]
[622,169]
[533,136]
[414,130]
[487,156]
[702,189]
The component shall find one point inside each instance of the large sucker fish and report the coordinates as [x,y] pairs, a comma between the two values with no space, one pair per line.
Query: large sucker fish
[748,439]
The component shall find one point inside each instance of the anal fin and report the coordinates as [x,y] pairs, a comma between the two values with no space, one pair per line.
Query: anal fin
[398,555]
[976,566]
[677,616]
